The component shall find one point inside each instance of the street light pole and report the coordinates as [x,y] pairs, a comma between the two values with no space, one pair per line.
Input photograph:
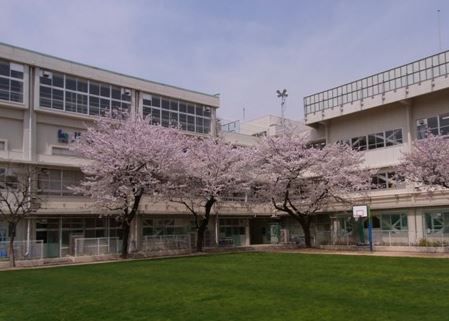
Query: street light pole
[283,95]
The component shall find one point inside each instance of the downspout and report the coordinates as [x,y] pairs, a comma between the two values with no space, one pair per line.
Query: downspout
[28,238]
[31,93]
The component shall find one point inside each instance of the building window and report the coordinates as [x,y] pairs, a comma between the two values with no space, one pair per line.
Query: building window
[393,222]
[82,96]
[393,137]
[386,180]
[2,145]
[374,141]
[57,181]
[437,125]
[359,143]
[11,81]
[169,112]
[8,178]
[164,226]
[437,222]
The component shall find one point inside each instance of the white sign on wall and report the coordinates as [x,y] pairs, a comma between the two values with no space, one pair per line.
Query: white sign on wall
[360,211]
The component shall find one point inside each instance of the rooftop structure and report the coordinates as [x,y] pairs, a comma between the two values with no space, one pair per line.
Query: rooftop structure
[417,78]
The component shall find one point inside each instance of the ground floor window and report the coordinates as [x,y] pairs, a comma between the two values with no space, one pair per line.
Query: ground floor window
[437,222]
[393,222]
[59,235]
[164,226]
[233,231]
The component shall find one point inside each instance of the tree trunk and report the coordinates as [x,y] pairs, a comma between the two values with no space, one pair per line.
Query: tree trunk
[12,255]
[203,225]
[126,223]
[125,241]
[200,235]
[307,236]
[304,221]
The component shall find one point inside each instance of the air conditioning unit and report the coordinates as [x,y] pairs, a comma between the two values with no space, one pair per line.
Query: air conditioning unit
[46,74]
[127,92]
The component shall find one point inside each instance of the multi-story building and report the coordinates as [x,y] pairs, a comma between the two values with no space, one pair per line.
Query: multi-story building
[45,103]
[381,116]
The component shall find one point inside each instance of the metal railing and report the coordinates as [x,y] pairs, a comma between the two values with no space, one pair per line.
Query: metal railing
[23,250]
[380,238]
[403,76]
[162,243]
[97,246]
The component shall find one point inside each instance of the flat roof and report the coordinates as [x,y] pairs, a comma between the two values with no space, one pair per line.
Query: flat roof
[215,96]
[415,72]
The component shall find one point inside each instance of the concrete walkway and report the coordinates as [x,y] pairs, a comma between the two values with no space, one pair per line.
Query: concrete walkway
[365,253]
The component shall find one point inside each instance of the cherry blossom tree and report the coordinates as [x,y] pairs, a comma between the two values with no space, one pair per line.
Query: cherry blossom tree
[302,181]
[427,165]
[18,199]
[209,169]
[127,158]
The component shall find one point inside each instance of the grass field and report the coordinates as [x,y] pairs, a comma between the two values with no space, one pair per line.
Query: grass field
[247,286]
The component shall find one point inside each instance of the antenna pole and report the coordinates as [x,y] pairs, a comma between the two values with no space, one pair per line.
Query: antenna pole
[439,30]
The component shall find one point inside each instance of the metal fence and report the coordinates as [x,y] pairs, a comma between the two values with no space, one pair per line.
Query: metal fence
[380,238]
[413,73]
[391,238]
[23,250]
[96,246]
[165,243]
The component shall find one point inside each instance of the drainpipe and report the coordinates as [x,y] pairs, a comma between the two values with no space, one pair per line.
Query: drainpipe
[28,238]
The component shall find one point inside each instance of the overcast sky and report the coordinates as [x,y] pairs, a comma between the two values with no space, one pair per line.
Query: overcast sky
[244,50]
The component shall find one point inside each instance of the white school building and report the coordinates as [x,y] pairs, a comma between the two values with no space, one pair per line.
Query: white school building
[45,102]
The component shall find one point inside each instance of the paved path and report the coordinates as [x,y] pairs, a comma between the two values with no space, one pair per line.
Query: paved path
[366,253]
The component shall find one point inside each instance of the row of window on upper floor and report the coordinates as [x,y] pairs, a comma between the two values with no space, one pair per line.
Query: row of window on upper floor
[77,95]
[377,140]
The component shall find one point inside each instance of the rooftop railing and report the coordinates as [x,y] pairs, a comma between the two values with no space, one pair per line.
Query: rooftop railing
[413,73]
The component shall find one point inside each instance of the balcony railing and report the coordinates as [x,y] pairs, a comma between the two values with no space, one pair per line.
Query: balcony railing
[413,73]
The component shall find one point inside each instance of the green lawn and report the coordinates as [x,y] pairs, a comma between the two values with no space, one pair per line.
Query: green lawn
[247,286]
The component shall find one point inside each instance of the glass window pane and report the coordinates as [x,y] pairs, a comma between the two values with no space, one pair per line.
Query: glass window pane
[70,83]
[4,89]
[94,88]
[116,93]
[156,101]
[58,80]
[105,90]
[82,85]
[70,101]
[165,104]
[173,105]
[4,68]
[45,96]
[58,99]
[94,106]
[359,143]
